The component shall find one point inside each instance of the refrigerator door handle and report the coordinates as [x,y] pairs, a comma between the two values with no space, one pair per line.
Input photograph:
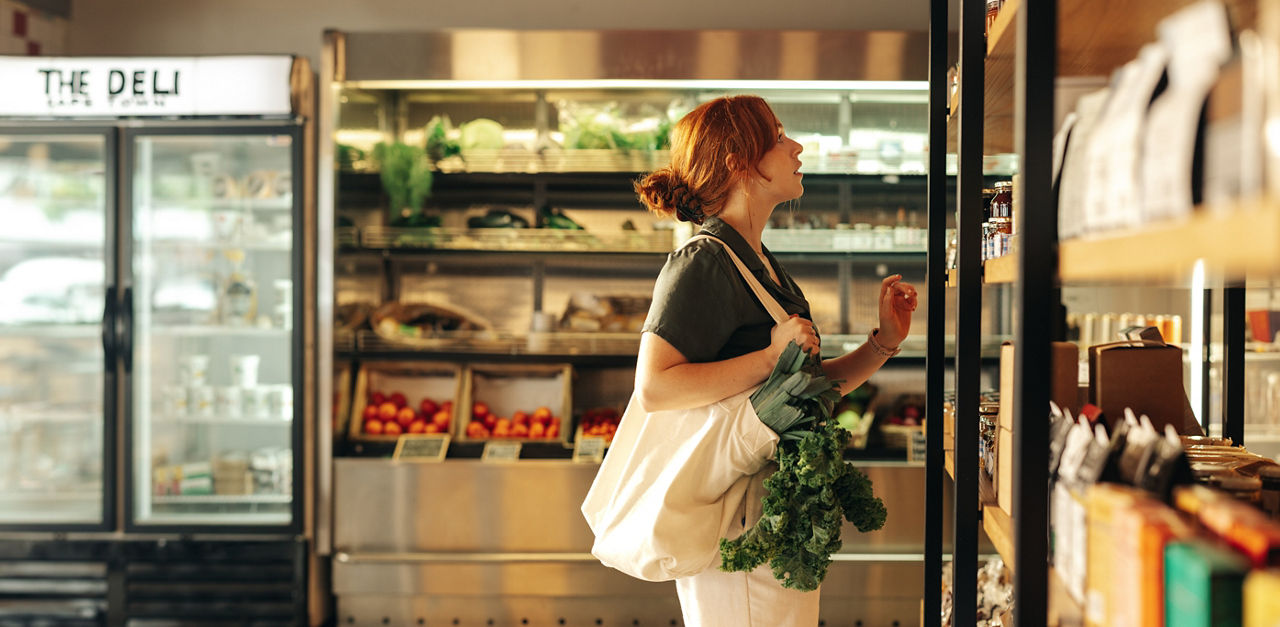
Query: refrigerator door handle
[126,330]
[109,329]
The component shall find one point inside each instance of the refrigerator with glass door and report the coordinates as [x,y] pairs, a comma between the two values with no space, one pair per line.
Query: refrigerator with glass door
[156,250]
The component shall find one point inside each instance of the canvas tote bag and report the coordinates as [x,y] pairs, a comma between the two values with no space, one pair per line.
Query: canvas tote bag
[673,482]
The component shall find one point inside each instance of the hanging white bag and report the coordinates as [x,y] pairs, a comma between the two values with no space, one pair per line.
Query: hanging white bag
[673,482]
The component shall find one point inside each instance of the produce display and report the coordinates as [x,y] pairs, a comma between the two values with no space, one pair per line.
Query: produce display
[600,422]
[813,487]
[537,425]
[391,414]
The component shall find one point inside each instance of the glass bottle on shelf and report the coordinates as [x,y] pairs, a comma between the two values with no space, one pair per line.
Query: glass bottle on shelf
[239,293]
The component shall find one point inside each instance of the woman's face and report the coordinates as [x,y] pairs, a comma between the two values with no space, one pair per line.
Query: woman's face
[779,170]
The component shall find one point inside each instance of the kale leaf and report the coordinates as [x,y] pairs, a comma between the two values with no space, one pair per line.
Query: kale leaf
[813,488]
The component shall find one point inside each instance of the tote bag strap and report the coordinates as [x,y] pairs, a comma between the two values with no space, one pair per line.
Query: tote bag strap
[770,303]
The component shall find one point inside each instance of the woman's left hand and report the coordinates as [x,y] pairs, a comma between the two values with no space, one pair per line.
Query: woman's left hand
[897,301]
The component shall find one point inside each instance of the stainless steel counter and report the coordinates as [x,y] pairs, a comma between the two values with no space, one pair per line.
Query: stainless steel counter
[476,542]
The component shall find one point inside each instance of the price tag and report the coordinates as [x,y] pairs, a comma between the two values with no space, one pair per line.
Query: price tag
[498,452]
[421,448]
[588,448]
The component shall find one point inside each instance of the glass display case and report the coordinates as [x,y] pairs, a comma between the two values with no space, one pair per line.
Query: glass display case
[55,265]
[214,372]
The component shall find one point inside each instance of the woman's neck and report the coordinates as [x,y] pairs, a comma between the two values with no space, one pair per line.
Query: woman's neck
[747,219]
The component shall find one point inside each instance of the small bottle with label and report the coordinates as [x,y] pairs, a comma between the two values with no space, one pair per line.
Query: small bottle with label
[239,293]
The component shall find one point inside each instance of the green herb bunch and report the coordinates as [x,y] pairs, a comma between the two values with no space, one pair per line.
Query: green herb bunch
[813,488]
[406,177]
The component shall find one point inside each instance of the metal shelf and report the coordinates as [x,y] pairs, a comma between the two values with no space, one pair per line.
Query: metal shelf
[243,204]
[223,499]
[210,244]
[194,330]
[69,331]
[789,245]
[180,421]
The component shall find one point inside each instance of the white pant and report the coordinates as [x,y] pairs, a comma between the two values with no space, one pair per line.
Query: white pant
[714,598]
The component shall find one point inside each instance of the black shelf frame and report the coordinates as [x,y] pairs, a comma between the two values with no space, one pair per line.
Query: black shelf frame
[1036,300]
[966,510]
[937,209]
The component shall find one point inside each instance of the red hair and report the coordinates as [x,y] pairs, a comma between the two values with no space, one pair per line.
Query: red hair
[713,147]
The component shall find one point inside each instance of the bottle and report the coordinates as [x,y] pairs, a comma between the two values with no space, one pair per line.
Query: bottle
[239,293]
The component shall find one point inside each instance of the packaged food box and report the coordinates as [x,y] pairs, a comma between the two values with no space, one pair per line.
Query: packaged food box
[1262,599]
[1203,584]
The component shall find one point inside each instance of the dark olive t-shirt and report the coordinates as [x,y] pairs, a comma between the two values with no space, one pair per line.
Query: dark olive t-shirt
[702,305]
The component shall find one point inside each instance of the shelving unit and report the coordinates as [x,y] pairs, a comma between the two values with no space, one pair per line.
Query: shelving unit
[1012,89]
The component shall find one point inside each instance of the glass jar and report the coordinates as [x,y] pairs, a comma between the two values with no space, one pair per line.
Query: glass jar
[1002,202]
[993,10]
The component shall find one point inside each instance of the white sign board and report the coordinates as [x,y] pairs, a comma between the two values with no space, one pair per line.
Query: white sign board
[145,86]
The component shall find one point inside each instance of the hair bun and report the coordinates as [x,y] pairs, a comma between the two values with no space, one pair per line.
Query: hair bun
[664,191]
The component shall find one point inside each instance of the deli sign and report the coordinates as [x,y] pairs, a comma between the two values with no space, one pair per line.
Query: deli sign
[145,86]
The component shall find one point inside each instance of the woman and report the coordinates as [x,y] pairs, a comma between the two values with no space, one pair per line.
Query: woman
[707,337]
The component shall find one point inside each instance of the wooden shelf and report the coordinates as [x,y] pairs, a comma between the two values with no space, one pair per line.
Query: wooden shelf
[994,271]
[999,528]
[1000,270]
[1232,241]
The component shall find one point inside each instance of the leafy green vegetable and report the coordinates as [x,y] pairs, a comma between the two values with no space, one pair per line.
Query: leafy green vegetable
[813,488]
[438,144]
[406,177]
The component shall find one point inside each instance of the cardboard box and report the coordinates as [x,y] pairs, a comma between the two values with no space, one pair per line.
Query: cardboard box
[1063,383]
[1146,378]
[1203,585]
[1262,599]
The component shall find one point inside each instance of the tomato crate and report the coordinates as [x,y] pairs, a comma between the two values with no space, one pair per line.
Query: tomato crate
[404,394]
[521,402]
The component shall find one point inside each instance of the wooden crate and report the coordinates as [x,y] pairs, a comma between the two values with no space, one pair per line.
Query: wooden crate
[438,381]
[508,388]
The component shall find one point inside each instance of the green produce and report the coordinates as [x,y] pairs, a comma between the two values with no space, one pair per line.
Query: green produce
[497,219]
[438,144]
[406,177]
[481,134]
[550,218]
[813,488]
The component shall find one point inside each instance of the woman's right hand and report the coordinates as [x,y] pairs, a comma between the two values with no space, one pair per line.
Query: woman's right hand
[798,330]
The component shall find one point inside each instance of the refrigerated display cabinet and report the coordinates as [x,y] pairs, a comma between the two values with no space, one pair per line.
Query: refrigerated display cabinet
[154,271]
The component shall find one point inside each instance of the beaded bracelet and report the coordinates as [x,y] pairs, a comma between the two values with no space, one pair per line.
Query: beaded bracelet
[880,348]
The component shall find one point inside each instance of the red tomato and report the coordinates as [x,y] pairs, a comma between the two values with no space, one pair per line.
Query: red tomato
[428,407]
